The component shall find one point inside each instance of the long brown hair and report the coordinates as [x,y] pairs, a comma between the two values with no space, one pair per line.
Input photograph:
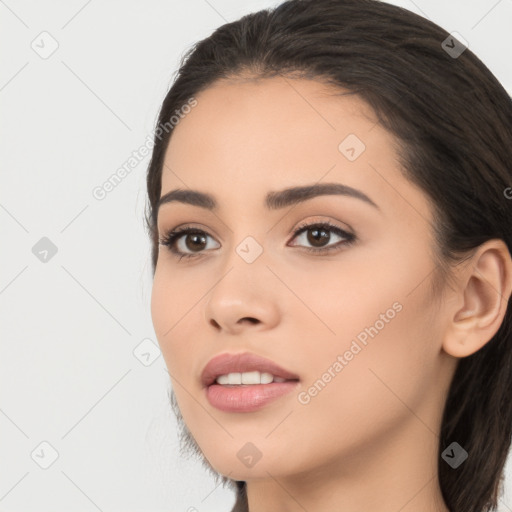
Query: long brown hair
[453,123]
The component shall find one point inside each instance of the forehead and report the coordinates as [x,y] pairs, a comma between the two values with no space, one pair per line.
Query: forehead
[275,118]
[247,137]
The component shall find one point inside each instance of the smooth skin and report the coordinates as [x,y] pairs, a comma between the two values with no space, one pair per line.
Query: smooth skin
[369,439]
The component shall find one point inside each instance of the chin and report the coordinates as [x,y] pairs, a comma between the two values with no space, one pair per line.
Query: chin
[247,460]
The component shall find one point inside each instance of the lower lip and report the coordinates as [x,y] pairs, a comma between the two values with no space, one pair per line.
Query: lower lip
[247,398]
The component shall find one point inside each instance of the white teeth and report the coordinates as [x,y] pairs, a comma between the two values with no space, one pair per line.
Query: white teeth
[254,377]
[234,378]
[248,378]
[222,379]
[265,378]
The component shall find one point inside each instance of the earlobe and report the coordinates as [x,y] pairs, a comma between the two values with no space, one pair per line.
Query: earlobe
[485,289]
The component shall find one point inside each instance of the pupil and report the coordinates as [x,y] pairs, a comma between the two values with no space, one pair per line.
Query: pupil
[195,237]
[318,235]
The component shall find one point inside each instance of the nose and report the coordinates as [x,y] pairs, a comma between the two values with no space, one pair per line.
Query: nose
[242,300]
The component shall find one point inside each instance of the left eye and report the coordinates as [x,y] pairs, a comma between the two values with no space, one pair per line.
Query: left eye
[319,233]
[316,234]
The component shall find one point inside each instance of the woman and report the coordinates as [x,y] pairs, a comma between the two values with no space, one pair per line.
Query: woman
[330,218]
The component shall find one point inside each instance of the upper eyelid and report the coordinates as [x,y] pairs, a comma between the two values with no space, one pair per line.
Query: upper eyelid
[317,219]
[184,229]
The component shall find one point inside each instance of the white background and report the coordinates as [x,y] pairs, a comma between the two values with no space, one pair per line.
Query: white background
[68,375]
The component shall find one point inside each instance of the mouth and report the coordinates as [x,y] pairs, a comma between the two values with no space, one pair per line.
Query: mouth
[244,369]
[245,382]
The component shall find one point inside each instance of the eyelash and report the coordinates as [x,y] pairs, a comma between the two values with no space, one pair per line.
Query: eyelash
[172,236]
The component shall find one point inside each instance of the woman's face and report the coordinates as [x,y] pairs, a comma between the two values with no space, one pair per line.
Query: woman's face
[357,325]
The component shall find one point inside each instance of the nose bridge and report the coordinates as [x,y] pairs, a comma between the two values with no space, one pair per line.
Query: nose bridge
[248,240]
[249,223]
[241,290]
[245,261]
[250,249]
[247,236]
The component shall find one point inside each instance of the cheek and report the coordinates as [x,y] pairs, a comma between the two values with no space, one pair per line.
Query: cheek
[172,303]
[369,394]
[338,299]
[376,317]
[162,305]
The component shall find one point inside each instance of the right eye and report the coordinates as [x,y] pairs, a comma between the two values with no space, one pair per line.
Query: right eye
[194,236]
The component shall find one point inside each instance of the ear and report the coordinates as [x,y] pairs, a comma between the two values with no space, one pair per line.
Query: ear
[483,293]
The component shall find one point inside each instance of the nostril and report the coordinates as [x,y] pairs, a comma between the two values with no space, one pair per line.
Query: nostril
[249,319]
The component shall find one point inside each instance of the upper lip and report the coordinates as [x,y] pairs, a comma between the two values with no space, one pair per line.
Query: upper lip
[239,363]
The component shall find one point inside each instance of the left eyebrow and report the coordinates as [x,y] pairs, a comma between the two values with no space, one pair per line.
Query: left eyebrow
[273,201]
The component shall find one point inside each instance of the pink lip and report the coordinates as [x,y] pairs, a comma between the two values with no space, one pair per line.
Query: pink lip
[238,363]
[247,398]
[244,398]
